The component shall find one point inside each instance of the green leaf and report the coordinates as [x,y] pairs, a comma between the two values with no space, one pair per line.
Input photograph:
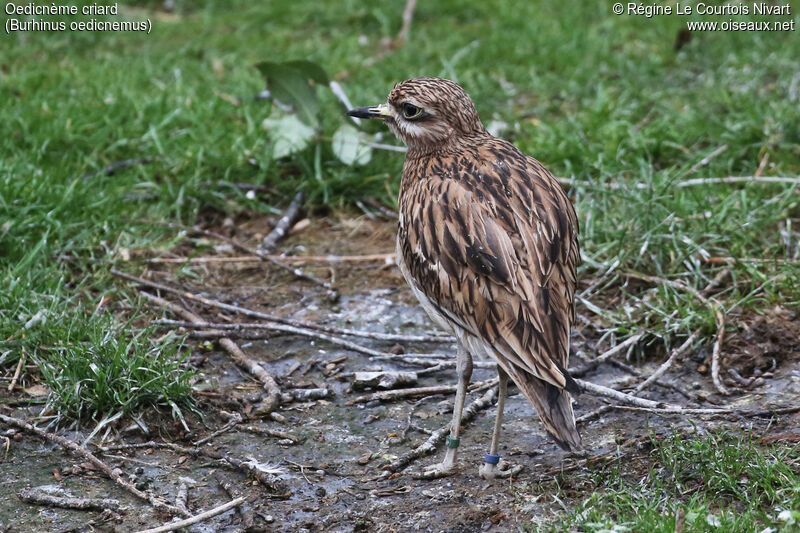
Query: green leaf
[291,84]
[289,133]
[349,146]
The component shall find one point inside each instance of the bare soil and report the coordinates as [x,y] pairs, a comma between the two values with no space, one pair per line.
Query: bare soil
[331,479]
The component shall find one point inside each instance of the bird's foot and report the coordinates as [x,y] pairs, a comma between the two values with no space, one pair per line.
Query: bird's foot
[500,469]
[438,470]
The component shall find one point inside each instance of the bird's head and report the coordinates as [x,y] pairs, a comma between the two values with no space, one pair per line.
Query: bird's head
[427,114]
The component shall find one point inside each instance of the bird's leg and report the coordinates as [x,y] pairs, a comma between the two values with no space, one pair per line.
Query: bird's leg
[492,466]
[464,369]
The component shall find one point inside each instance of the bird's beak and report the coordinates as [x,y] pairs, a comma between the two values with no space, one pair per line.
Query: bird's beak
[379,111]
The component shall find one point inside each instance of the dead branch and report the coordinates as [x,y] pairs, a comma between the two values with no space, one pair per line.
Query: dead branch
[239,357]
[613,185]
[718,314]
[257,254]
[706,160]
[248,519]
[408,16]
[111,169]
[283,226]
[263,475]
[235,419]
[298,325]
[416,391]
[273,433]
[310,325]
[369,258]
[18,371]
[678,352]
[666,364]
[89,456]
[172,526]
[182,498]
[41,496]
[437,437]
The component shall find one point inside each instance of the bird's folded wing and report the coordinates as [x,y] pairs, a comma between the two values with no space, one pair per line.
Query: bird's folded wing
[498,257]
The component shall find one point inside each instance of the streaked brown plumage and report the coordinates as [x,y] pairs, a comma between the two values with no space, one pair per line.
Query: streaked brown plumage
[488,242]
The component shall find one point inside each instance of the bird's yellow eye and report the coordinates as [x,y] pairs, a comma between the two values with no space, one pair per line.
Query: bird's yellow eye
[410,111]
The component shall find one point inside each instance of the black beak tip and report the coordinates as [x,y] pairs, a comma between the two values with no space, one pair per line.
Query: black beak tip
[362,112]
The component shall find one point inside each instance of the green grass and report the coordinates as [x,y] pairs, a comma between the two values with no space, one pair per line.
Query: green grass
[723,479]
[596,97]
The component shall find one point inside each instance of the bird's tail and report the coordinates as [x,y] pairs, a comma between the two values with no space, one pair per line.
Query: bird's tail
[554,407]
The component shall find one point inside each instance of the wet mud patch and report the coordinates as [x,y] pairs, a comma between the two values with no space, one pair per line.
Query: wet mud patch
[327,455]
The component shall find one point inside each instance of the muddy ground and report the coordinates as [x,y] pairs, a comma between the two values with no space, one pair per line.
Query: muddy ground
[342,447]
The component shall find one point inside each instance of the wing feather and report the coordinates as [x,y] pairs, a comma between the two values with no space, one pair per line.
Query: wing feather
[493,243]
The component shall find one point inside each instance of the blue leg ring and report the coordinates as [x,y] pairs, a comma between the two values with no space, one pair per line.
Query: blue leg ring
[491,459]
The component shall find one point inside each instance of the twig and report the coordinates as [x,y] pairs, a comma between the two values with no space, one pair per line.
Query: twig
[309,325]
[38,496]
[416,391]
[182,498]
[244,510]
[408,16]
[256,314]
[283,226]
[713,305]
[18,371]
[235,419]
[666,364]
[614,185]
[706,160]
[273,433]
[252,467]
[646,383]
[172,526]
[338,91]
[739,179]
[239,357]
[437,437]
[257,254]
[89,456]
[119,165]
[725,260]
[369,258]
[316,335]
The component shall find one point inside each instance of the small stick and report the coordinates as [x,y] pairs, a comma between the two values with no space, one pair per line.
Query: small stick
[283,226]
[618,348]
[244,510]
[416,391]
[239,357]
[646,383]
[613,185]
[309,325]
[172,526]
[18,371]
[235,419]
[666,364]
[408,16]
[119,165]
[706,160]
[713,305]
[437,437]
[259,255]
[273,433]
[724,260]
[369,258]
[38,496]
[182,498]
[89,456]
[256,314]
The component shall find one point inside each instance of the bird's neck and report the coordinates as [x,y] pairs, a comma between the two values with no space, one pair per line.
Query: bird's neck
[450,145]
